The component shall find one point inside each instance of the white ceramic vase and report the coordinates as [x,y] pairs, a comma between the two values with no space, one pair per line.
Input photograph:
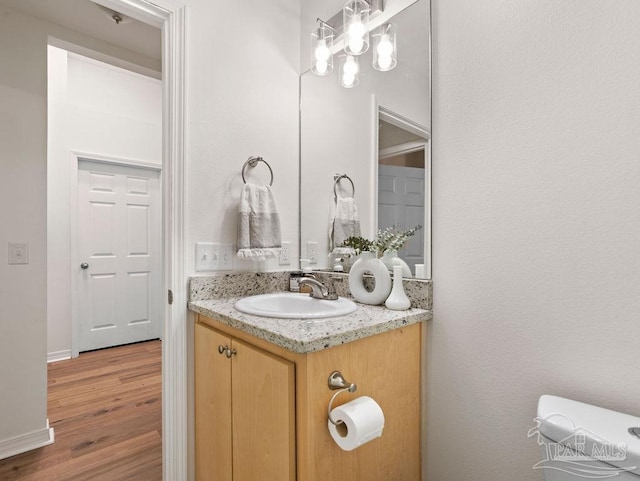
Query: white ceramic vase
[368,263]
[391,259]
[397,300]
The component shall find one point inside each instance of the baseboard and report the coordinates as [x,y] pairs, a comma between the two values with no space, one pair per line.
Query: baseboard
[26,442]
[59,355]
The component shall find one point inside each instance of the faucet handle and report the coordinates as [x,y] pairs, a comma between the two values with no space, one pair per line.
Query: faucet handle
[331,287]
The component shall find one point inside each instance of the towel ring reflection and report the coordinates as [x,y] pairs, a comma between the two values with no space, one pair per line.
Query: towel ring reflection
[337,179]
[252,162]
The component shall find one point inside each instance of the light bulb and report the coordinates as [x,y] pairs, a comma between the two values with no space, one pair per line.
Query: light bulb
[322,52]
[355,34]
[348,80]
[385,47]
[356,44]
[350,66]
[384,62]
[321,66]
[356,28]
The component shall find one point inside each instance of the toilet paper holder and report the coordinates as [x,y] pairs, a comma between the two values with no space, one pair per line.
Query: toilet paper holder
[337,382]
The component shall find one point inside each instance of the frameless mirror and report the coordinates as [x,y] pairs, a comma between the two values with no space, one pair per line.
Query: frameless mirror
[376,133]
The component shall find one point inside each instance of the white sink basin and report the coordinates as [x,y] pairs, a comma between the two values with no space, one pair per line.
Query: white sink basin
[291,305]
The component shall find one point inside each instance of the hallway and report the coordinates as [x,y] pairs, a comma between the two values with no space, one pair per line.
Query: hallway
[105,407]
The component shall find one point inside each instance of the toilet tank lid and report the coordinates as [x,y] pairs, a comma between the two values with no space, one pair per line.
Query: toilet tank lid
[597,432]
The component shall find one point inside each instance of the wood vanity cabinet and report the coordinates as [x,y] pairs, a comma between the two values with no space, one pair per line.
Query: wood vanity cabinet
[261,414]
[244,411]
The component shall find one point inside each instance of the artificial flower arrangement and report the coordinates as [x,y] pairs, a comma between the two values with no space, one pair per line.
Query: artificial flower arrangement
[389,239]
[358,244]
[392,239]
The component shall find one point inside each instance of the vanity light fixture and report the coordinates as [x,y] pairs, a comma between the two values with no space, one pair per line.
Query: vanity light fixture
[355,15]
[322,49]
[384,47]
[350,29]
[349,70]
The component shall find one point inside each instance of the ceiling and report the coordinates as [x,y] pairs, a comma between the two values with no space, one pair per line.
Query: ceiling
[389,135]
[93,20]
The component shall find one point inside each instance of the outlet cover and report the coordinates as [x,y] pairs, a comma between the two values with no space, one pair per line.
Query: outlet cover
[285,253]
[312,252]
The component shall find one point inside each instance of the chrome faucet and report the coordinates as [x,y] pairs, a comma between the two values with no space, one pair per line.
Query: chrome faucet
[318,289]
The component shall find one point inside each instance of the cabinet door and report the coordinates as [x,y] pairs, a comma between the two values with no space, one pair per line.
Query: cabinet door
[212,406]
[263,415]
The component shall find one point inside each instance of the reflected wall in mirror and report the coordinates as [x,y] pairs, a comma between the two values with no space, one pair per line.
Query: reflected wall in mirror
[347,131]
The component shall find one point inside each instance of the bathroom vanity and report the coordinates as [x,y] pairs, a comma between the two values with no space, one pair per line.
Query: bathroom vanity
[261,393]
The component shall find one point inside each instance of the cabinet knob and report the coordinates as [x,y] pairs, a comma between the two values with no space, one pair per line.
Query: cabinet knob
[222,349]
[231,352]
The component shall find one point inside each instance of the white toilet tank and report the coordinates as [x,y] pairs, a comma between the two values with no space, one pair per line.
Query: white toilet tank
[582,442]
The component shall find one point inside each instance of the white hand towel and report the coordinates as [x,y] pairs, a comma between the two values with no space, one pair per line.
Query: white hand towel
[344,221]
[259,234]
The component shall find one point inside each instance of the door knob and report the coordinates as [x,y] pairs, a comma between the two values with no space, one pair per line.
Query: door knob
[84,265]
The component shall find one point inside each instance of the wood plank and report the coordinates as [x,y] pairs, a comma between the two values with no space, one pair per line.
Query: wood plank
[105,407]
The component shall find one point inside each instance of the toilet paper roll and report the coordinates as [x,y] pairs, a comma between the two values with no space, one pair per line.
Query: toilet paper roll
[362,421]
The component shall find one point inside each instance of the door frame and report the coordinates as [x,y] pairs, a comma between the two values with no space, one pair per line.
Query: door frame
[382,113]
[76,158]
[170,16]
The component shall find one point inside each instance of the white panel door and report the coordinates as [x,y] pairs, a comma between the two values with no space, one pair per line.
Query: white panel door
[401,198]
[119,238]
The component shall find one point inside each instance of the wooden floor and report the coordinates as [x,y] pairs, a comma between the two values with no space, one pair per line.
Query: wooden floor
[105,407]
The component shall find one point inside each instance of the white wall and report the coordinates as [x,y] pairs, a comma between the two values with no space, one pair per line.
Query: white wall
[536,209]
[242,89]
[23,153]
[94,108]
[22,219]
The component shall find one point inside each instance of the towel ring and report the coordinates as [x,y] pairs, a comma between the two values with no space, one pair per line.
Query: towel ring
[338,178]
[252,162]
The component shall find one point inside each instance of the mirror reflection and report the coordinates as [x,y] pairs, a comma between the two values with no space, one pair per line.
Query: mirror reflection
[376,133]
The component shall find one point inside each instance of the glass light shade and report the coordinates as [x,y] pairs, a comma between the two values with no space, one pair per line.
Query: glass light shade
[385,53]
[355,15]
[349,72]
[322,50]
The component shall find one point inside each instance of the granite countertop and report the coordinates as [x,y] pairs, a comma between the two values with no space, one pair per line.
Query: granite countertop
[310,335]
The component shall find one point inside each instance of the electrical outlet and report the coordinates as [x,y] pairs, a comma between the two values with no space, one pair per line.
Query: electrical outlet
[206,260]
[285,253]
[312,252]
[225,262]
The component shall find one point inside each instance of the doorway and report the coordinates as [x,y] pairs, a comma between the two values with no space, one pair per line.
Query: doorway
[404,171]
[112,115]
[168,16]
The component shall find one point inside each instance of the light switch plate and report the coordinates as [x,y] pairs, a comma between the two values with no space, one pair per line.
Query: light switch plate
[206,259]
[18,253]
[214,257]
[225,257]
